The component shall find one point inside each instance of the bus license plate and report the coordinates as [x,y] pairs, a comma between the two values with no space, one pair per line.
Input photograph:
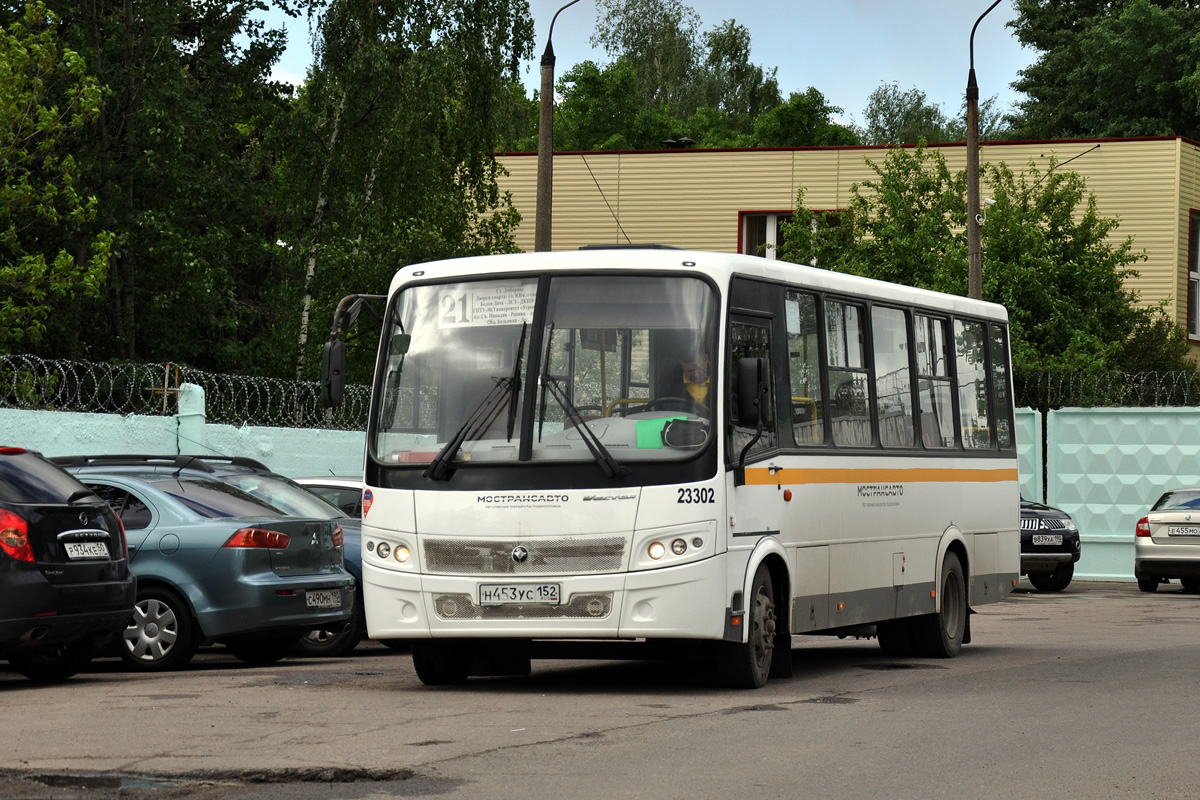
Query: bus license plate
[1047,538]
[86,550]
[1183,530]
[498,594]
[323,598]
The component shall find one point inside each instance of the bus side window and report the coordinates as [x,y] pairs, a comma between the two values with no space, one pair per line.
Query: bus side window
[934,385]
[893,382]
[972,385]
[848,387]
[1001,396]
[750,340]
[804,368]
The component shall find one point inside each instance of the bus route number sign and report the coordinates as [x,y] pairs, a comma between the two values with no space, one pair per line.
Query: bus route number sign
[486,306]
[498,594]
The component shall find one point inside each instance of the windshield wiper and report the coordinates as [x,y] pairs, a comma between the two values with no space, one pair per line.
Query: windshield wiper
[599,452]
[516,379]
[482,417]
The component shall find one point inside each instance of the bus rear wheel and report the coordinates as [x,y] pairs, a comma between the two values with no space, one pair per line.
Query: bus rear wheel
[747,665]
[940,635]
[441,662]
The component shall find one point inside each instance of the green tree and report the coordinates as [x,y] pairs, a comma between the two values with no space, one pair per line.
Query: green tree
[893,116]
[667,80]
[1120,68]
[805,120]
[45,255]
[600,110]
[388,156]
[732,85]
[660,38]
[174,159]
[1048,256]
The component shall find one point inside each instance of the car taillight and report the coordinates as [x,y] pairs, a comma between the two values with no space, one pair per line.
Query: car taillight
[338,535]
[14,536]
[12,451]
[1143,527]
[124,541]
[259,537]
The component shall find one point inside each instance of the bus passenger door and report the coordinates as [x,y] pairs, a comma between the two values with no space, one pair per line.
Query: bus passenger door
[755,506]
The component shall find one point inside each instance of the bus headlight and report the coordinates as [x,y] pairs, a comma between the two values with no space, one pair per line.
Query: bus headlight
[657,551]
[383,549]
[679,547]
[402,554]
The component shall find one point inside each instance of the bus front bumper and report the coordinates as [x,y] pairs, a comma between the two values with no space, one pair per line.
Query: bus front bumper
[683,602]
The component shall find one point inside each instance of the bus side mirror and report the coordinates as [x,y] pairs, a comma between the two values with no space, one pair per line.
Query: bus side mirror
[333,373]
[750,390]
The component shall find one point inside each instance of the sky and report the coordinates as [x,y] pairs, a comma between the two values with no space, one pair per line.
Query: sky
[843,48]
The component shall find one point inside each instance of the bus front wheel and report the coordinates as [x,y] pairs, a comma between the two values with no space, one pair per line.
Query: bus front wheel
[747,665]
[441,662]
[940,635]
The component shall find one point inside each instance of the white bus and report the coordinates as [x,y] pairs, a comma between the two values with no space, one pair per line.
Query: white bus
[539,468]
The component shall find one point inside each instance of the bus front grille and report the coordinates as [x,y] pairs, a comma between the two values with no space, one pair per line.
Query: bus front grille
[595,605]
[575,556]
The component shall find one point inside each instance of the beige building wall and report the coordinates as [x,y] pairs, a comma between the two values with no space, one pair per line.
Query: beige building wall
[693,198]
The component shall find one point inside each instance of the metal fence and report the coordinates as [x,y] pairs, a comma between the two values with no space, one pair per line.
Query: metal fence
[30,382]
[1049,390]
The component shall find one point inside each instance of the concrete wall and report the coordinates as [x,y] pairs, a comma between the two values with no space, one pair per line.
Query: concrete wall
[294,452]
[1104,466]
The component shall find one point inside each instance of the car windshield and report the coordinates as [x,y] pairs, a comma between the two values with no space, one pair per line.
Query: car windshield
[621,358]
[1187,498]
[213,499]
[290,498]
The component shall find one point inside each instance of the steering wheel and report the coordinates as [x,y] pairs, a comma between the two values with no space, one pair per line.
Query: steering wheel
[684,404]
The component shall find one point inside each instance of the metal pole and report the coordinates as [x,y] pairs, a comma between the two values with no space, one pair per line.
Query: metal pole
[974,243]
[545,175]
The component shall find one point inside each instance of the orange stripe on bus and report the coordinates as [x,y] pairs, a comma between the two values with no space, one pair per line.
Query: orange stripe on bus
[764,477]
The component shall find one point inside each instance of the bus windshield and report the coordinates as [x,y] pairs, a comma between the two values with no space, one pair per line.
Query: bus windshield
[620,371]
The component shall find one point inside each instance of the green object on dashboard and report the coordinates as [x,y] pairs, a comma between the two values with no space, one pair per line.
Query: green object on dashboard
[649,432]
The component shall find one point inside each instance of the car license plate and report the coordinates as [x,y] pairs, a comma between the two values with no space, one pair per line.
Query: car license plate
[1047,538]
[323,598]
[86,549]
[498,594]
[1183,530]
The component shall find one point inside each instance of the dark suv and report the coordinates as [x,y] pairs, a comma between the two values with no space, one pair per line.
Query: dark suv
[1049,546]
[65,584]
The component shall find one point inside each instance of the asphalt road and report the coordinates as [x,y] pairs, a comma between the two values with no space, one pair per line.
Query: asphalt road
[1088,693]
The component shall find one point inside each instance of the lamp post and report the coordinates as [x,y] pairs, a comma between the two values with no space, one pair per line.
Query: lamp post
[545,173]
[974,221]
